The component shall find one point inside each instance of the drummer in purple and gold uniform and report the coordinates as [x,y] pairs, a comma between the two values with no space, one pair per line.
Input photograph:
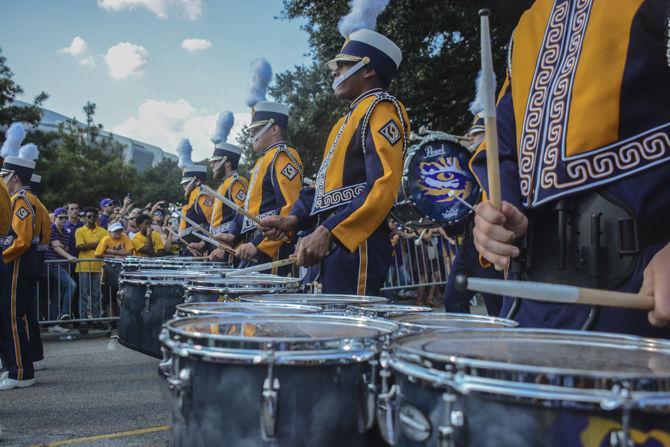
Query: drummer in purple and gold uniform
[585,161]
[233,186]
[360,174]
[199,205]
[276,179]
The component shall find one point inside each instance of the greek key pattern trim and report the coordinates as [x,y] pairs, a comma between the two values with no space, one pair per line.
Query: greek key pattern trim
[223,228]
[325,201]
[248,225]
[537,97]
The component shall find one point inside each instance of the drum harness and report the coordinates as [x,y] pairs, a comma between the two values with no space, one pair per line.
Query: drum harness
[597,241]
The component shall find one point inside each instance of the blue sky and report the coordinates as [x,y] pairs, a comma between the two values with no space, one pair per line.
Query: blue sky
[129,60]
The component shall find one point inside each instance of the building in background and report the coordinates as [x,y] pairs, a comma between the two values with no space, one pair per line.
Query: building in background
[139,154]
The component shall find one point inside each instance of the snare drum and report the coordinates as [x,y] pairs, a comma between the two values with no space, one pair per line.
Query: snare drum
[147,299]
[200,309]
[215,288]
[135,263]
[385,310]
[436,167]
[330,303]
[272,380]
[420,322]
[526,387]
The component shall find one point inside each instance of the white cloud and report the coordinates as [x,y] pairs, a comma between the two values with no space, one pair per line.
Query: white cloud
[189,9]
[192,44]
[164,123]
[125,60]
[79,50]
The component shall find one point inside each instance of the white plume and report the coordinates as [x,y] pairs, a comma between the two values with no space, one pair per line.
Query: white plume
[184,151]
[223,125]
[29,152]
[362,15]
[477,106]
[261,75]
[13,138]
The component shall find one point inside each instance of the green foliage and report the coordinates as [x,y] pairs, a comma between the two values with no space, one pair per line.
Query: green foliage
[160,182]
[436,81]
[10,90]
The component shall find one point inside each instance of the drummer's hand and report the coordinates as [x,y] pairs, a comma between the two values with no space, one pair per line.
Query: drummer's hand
[277,228]
[217,254]
[495,231]
[656,283]
[226,238]
[196,245]
[246,251]
[313,248]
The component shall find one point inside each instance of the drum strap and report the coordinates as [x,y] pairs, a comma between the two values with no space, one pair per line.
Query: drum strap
[596,240]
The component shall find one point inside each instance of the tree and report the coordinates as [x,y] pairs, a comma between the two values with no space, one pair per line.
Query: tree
[10,90]
[440,45]
[160,182]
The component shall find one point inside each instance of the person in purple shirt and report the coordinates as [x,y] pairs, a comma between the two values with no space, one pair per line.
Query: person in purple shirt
[72,223]
[106,210]
[62,284]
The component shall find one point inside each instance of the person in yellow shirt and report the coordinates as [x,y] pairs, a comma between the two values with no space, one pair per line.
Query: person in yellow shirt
[87,239]
[148,242]
[115,244]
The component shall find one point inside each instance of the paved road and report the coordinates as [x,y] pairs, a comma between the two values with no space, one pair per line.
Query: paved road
[91,387]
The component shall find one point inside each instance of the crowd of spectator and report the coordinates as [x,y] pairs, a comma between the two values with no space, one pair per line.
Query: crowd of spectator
[81,238]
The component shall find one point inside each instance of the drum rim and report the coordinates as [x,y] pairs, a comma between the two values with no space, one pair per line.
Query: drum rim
[284,350]
[270,297]
[502,322]
[461,363]
[391,307]
[203,282]
[188,307]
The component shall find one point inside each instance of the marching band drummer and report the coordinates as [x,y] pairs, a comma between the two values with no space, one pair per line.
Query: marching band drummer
[276,179]
[198,207]
[585,160]
[19,259]
[360,174]
[233,186]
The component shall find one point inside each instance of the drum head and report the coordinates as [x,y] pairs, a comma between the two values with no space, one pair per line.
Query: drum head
[434,169]
[320,299]
[443,320]
[591,354]
[250,308]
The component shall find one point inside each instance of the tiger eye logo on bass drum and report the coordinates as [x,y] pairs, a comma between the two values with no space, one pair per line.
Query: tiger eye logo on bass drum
[441,172]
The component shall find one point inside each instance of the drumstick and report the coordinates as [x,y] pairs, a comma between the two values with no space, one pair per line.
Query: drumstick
[181,239]
[216,243]
[555,293]
[490,123]
[235,207]
[222,245]
[455,196]
[261,267]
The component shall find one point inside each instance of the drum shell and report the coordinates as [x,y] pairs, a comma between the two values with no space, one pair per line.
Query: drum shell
[505,422]
[141,318]
[111,270]
[324,395]
[225,404]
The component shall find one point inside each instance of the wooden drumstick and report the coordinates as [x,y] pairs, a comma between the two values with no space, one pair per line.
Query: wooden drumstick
[235,207]
[261,267]
[555,293]
[210,238]
[490,123]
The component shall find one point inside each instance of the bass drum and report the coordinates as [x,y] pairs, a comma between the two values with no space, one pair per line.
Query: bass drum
[436,169]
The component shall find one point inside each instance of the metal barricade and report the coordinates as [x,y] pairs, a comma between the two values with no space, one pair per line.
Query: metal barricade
[419,263]
[75,292]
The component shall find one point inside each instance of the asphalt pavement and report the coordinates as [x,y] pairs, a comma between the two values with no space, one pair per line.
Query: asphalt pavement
[94,392]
